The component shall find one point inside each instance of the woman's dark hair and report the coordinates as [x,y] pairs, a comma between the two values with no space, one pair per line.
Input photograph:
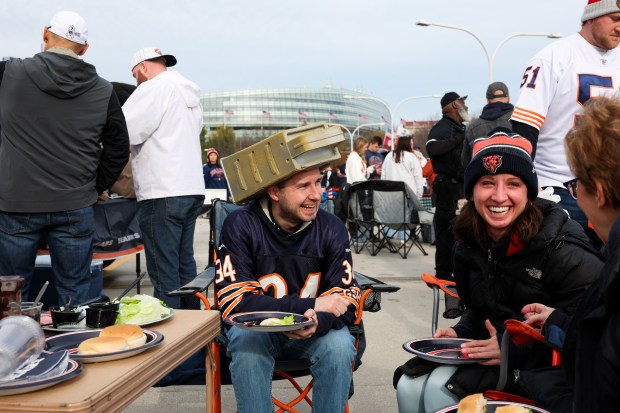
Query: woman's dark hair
[470,228]
[402,145]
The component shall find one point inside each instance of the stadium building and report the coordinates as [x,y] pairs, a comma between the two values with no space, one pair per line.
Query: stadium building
[258,113]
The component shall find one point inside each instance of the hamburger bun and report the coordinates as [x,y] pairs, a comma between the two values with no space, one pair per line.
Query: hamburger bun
[102,345]
[132,333]
[512,408]
[474,403]
[270,322]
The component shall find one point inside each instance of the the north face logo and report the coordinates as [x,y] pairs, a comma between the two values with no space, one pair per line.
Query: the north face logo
[534,273]
[491,163]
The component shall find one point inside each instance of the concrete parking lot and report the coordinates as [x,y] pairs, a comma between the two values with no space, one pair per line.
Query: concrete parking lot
[404,315]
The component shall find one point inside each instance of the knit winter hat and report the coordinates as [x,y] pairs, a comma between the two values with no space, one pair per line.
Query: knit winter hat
[212,150]
[597,8]
[503,152]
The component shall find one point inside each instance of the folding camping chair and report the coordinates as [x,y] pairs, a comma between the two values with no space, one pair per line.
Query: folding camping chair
[385,214]
[285,369]
[516,331]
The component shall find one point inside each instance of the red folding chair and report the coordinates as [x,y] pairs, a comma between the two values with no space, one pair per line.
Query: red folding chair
[285,369]
[516,331]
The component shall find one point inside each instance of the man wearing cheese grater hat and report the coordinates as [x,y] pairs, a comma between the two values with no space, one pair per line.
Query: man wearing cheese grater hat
[281,252]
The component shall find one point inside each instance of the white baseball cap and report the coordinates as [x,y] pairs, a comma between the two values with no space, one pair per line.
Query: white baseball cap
[149,53]
[69,25]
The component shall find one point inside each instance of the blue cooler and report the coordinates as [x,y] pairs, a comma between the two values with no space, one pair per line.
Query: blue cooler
[43,272]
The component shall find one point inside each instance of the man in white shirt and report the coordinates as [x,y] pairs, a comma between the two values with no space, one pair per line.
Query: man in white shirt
[164,119]
[558,82]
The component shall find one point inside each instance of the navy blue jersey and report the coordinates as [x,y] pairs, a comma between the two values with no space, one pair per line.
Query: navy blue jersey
[261,268]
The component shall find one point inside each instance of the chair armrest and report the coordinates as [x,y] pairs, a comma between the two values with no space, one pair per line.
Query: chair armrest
[446,286]
[522,333]
[374,284]
[199,284]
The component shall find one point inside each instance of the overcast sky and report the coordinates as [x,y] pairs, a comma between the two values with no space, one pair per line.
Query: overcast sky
[372,45]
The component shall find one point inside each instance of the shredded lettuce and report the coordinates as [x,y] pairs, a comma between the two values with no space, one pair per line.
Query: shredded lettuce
[141,308]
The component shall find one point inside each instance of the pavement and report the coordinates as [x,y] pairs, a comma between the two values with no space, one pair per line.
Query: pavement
[404,315]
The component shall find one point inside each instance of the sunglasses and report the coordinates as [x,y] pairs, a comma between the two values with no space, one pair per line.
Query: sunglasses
[572,187]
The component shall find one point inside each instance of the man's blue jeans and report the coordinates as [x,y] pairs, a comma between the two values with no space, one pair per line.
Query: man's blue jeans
[70,239]
[570,205]
[252,365]
[167,226]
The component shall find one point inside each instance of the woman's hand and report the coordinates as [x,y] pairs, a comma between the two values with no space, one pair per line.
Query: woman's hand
[536,314]
[445,332]
[484,349]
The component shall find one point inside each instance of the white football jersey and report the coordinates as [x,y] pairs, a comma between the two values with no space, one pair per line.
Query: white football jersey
[556,84]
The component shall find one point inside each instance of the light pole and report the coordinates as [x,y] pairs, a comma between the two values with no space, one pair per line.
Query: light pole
[490,57]
[378,100]
[345,128]
[390,109]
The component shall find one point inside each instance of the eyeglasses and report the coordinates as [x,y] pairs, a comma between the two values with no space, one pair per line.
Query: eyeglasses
[572,187]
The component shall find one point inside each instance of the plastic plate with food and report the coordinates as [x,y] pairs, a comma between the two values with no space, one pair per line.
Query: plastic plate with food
[140,309]
[268,321]
[71,341]
[444,350]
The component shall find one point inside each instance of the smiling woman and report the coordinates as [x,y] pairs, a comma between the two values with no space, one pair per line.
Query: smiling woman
[510,248]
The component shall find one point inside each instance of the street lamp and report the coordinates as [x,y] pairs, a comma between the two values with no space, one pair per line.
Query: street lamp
[490,58]
[390,109]
[352,134]
[365,125]
[345,128]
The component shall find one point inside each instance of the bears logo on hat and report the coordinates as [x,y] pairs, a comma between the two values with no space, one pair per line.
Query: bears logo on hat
[491,163]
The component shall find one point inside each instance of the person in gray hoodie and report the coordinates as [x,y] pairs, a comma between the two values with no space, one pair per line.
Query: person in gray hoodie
[495,113]
[63,141]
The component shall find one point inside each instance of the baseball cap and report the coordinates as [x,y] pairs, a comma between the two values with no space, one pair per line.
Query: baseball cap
[494,88]
[449,98]
[149,53]
[69,25]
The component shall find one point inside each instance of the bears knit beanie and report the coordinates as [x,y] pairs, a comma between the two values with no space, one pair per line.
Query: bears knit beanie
[597,8]
[503,152]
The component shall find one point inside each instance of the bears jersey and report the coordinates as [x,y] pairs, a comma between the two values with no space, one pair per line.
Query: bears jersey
[261,268]
[556,84]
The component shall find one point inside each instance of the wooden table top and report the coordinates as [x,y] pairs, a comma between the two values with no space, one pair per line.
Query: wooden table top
[111,386]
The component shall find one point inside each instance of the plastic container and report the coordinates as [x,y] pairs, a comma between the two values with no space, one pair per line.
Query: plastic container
[100,315]
[32,310]
[252,170]
[10,295]
[21,340]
